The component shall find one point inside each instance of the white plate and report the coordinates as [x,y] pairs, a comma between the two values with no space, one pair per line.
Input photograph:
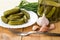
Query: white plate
[31,21]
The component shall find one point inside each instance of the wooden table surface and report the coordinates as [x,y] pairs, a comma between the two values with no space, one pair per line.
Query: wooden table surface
[5,34]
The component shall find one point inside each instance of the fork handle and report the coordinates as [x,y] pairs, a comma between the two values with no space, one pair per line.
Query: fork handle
[46,33]
[52,34]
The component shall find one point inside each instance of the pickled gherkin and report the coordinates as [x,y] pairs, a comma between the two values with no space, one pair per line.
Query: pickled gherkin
[56,14]
[25,19]
[40,10]
[17,22]
[16,16]
[27,15]
[4,19]
[51,12]
[48,8]
[13,17]
[12,11]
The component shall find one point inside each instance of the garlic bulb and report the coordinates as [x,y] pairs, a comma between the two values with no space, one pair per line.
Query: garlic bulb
[43,20]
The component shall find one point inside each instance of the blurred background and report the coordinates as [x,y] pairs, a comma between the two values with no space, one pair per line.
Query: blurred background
[8,4]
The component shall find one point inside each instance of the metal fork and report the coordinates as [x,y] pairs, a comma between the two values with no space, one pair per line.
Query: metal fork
[34,32]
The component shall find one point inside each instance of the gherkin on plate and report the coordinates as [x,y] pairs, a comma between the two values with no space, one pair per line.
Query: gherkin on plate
[17,22]
[18,14]
[25,19]
[13,17]
[27,15]
[4,19]
[12,11]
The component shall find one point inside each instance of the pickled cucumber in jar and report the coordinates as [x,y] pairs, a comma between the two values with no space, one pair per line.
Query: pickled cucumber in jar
[41,7]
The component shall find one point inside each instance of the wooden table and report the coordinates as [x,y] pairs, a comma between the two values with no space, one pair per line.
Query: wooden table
[6,34]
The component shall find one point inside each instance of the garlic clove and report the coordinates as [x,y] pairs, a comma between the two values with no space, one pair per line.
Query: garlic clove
[44,28]
[35,27]
[52,26]
[43,21]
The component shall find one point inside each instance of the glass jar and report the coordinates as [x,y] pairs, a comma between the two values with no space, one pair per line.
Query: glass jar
[52,8]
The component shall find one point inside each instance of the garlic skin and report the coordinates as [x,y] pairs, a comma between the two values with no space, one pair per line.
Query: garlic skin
[35,27]
[52,26]
[42,20]
[44,28]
